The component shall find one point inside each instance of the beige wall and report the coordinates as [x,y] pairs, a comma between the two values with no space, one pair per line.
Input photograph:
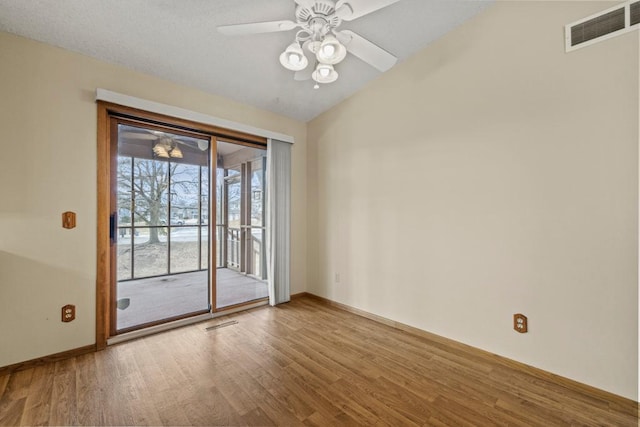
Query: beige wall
[48,166]
[488,175]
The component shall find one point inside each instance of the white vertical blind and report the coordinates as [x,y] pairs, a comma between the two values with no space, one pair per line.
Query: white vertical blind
[278,220]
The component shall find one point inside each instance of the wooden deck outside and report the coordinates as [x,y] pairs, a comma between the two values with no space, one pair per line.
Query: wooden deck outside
[163,297]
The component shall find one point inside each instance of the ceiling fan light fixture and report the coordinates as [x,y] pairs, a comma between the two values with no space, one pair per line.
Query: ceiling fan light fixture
[318,34]
[176,152]
[160,151]
[293,58]
[203,145]
[331,51]
[325,73]
[314,46]
[328,50]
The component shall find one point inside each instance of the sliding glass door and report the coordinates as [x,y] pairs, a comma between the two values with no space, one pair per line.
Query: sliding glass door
[240,228]
[162,226]
[180,206]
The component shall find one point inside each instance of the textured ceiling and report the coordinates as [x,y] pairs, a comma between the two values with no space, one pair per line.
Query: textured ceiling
[177,40]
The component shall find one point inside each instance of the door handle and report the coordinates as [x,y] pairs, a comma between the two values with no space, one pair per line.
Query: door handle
[112,228]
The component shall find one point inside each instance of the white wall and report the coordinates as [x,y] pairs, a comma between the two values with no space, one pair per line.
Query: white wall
[488,175]
[48,166]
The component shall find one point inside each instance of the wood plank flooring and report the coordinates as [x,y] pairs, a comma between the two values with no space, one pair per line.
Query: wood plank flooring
[302,363]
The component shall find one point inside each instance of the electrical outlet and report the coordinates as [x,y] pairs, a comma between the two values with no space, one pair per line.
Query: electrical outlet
[68,313]
[520,323]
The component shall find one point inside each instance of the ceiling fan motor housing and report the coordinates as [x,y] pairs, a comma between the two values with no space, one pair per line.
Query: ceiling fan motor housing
[320,11]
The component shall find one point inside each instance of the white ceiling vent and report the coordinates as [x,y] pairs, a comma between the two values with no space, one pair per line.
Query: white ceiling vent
[609,23]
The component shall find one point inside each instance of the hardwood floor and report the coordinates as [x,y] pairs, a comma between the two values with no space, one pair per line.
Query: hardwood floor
[302,363]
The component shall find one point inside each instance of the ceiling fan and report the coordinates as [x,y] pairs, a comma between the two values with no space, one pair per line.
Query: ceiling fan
[166,145]
[318,39]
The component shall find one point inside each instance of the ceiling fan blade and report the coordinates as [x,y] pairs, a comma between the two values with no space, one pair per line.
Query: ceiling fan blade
[201,144]
[348,10]
[367,51]
[256,28]
[139,135]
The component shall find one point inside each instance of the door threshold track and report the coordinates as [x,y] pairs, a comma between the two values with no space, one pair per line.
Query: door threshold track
[178,323]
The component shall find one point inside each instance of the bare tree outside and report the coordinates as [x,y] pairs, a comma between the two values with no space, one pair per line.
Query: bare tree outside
[156,198]
[149,181]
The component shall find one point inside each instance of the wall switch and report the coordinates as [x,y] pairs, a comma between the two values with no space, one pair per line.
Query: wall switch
[337,278]
[68,220]
[520,323]
[68,313]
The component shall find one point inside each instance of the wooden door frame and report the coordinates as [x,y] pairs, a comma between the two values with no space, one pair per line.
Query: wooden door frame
[106,155]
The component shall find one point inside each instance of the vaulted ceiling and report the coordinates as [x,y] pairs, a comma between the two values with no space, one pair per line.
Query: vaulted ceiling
[177,40]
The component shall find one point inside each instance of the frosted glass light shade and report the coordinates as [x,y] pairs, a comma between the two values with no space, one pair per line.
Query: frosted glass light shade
[293,58]
[160,151]
[331,51]
[176,152]
[202,144]
[324,73]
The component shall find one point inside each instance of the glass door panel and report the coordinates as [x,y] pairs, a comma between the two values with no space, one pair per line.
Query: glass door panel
[162,233]
[240,184]
[185,250]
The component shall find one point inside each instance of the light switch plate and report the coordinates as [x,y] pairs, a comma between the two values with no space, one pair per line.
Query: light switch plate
[69,220]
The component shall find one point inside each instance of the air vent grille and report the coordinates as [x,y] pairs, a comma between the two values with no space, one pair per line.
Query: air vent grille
[221,325]
[614,21]
[635,13]
[597,27]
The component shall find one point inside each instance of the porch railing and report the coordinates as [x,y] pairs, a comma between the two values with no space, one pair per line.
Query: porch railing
[228,247]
